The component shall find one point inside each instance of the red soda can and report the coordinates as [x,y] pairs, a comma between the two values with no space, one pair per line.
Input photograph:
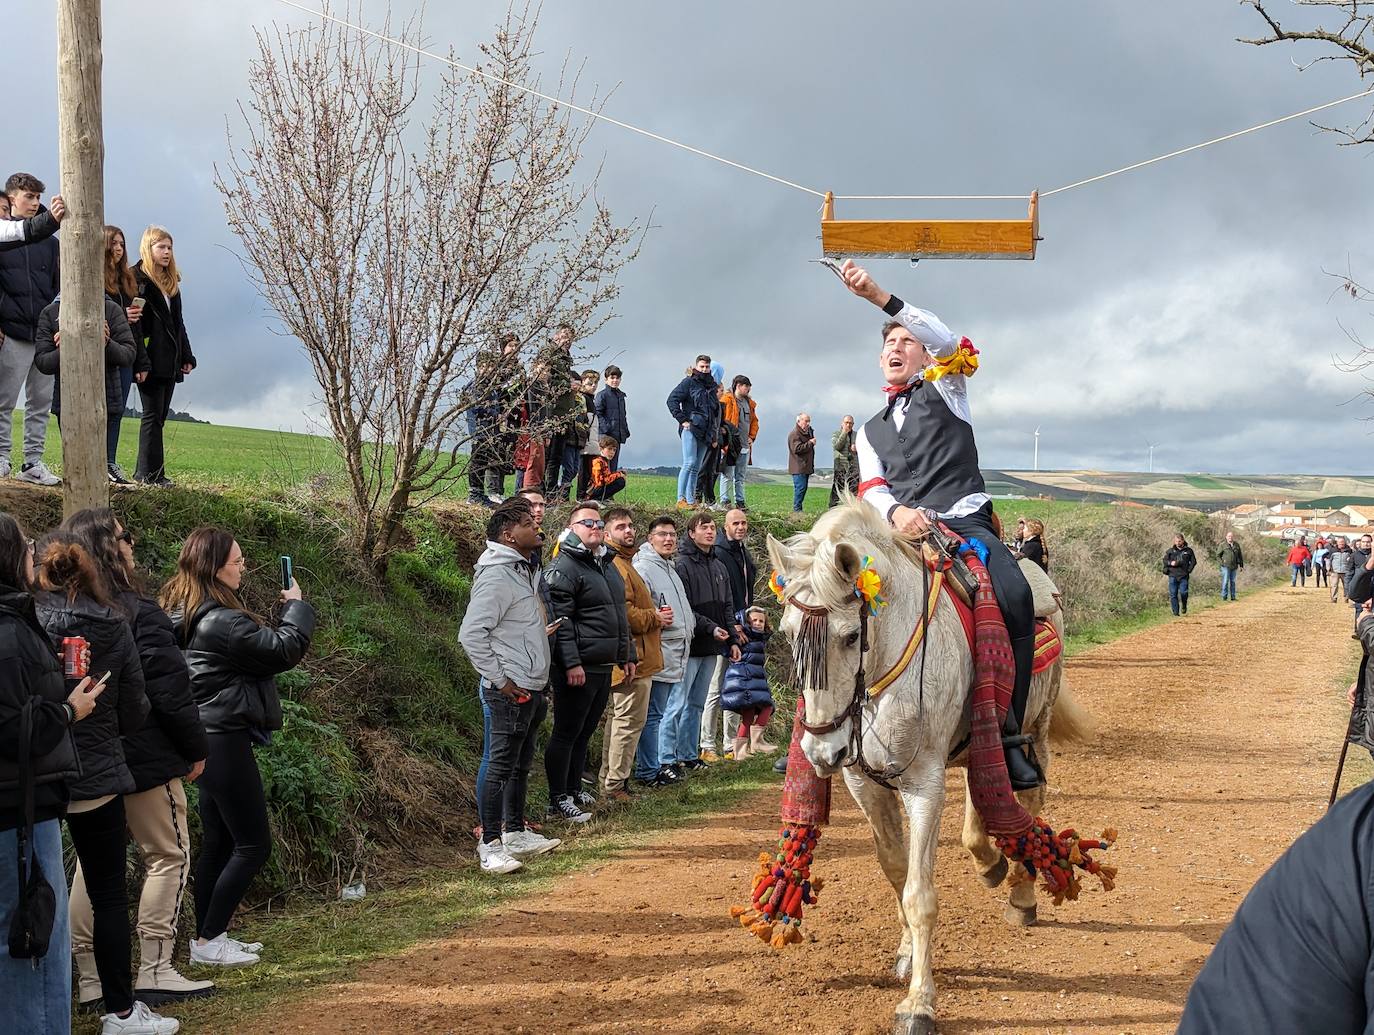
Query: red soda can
[76,656]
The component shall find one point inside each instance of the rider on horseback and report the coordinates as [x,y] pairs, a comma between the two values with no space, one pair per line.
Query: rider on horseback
[918,464]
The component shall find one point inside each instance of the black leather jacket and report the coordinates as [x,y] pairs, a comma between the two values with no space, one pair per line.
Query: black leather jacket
[234,663]
[590,592]
[29,668]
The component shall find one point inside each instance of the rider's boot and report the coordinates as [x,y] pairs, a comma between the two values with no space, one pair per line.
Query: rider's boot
[1022,767]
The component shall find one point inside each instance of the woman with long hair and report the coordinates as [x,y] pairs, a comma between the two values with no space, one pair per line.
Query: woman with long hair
[35,993]
[1033,547]
[170,746]
[234,659]
[168,348]
[121,287]
[74,602]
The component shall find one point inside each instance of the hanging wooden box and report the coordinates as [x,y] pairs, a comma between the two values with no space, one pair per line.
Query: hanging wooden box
[930,238]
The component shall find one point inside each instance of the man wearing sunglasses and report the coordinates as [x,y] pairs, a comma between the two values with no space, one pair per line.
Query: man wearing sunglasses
[588,596]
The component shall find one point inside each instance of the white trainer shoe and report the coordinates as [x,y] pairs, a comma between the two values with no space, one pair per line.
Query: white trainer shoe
[495,858]
[253,947]
[220,952]
[141,1021]
[524,844]
[38,474]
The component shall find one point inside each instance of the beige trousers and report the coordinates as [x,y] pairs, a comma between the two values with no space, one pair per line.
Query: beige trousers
[625,717]
[157,821]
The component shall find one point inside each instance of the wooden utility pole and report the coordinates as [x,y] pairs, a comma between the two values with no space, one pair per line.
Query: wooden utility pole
[81,158]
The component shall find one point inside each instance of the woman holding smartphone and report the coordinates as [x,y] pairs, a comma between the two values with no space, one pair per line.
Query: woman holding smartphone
[35,994]
[170,746]
[234,659]
[169,349]
[121,287]
[73,604]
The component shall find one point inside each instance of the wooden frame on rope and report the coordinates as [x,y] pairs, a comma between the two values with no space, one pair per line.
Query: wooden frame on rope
[930,238]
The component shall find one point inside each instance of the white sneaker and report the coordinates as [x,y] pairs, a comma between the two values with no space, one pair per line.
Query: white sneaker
[495,858]
[523,844]
[38,474]
[220,952]
[250,947]
[141,1021]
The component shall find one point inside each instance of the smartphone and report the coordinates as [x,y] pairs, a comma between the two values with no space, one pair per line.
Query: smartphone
[137,303]
[286,576]
[99,683]
[557,622]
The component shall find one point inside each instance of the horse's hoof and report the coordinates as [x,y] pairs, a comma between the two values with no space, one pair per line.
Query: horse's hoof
[996,875]
[902,968]
[915,1024]
[1018,917]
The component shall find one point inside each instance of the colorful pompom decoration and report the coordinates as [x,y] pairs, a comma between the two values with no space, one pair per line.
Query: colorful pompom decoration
[1040,852]
[782,885]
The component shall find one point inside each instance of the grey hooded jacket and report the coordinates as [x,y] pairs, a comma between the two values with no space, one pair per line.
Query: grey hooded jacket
[666,586]
[503,627]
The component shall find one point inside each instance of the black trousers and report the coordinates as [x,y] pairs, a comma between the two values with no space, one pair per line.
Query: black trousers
[1013,594]
[101,841]
[236,838]
[707,477]
[510,750]
[607,491]
[577,712]
[553,465]
[156,400]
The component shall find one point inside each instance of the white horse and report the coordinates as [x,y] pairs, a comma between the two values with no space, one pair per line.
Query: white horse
[909,730]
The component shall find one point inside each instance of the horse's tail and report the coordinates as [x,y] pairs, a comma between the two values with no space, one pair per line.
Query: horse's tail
[1071,723]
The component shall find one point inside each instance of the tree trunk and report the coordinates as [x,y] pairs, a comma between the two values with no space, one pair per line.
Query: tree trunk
[82,168]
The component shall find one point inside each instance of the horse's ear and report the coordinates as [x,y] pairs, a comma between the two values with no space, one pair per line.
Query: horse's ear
[848,560]
[779,554]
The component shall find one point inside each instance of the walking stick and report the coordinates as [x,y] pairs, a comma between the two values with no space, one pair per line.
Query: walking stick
[1345,746]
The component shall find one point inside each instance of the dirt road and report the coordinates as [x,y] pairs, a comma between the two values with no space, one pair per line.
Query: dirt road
[1218,737]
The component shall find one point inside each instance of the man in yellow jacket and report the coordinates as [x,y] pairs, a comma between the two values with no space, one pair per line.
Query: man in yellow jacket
[740,425]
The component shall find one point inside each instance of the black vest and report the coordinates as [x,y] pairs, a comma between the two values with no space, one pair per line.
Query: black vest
[932,461]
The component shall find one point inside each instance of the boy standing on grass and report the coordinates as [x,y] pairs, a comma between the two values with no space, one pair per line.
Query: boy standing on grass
[505,634]
[610,412]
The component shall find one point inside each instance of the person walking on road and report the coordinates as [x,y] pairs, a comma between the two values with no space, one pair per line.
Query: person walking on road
[1321,563]
[1299,557]
[1179,562]
[1231,559]
[1340,566]
[801,459]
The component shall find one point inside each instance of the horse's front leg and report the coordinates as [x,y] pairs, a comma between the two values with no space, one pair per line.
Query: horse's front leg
[883,811]
[923,793]
[987,857]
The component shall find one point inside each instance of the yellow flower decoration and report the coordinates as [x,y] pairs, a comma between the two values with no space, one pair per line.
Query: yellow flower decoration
[963,360]
[778,585]
[868,587]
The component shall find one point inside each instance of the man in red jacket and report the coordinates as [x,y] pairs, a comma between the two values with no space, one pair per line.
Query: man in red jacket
[1298,558]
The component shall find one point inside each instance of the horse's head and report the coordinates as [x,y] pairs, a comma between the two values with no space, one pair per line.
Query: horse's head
[823,618]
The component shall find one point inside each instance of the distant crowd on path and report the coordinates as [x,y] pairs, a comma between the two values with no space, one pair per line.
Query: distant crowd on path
[654,640]
[111,701]
[145,335]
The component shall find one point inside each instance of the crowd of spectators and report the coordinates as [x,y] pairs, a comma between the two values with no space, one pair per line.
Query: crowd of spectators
[631,631]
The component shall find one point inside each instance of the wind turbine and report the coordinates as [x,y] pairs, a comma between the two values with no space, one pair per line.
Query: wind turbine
[1152,455]
[1036,433]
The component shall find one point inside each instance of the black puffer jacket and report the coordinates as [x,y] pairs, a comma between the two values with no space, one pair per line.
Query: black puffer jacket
[590,592]
[708,588]
[696,401]
[234,663]
[163,330]
[29,668]
[120,351]
[29,280]
[125,300]
[173,736]
[122,707]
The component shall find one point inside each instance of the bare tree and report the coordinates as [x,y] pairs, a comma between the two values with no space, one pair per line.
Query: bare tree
[1344,28]
[399,256]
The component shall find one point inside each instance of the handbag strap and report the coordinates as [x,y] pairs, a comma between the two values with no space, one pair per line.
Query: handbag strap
[25,787]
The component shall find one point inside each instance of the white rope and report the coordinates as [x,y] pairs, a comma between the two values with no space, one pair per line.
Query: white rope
[1208,143]
[552,100]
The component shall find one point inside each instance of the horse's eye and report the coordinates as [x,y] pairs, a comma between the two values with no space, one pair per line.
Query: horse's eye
[851,639]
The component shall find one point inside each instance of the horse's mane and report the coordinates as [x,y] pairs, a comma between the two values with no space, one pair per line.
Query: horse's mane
[856,524]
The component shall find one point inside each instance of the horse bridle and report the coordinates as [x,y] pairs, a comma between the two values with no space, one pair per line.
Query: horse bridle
[855,710]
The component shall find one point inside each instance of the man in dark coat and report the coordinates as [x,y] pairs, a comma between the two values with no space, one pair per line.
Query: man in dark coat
[1179,562]
[28,283]
[610,413]
[589,595]
[801,459]
[743,572]
[1297,955]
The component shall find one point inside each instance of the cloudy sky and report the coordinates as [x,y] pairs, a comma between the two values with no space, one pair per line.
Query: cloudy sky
[1184,304]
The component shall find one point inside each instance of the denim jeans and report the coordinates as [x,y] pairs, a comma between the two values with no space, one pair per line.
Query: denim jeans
[509,755]
[1178,593]
[1228,583]
[1299,574]
[647,762]
[680,732]
[732,481]
[36,995]
[486,738]
[692,453]
[799,490]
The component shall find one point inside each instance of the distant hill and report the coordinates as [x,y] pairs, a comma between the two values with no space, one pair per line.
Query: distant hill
[1204,491]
